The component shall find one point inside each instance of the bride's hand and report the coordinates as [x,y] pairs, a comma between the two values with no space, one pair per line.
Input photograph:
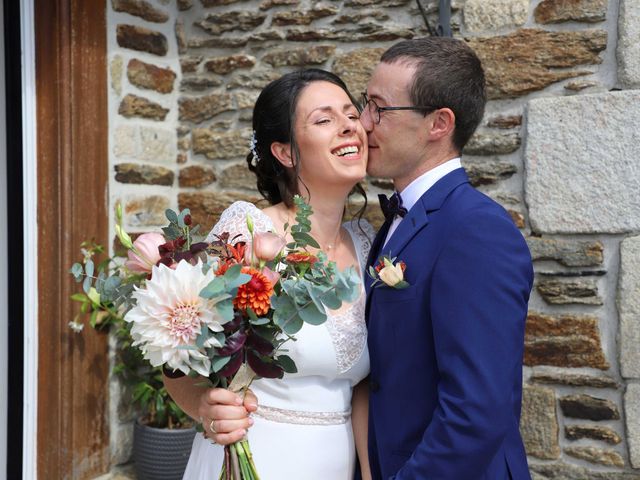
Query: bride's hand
[225,418]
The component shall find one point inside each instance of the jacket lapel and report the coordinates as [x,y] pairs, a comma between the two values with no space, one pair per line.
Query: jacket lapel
[373,256]
[411,224]
[418,218]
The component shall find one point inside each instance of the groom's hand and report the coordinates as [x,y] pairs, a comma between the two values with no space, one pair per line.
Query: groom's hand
[225,417]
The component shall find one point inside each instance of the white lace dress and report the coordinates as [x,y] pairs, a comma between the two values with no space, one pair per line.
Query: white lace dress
[302,428]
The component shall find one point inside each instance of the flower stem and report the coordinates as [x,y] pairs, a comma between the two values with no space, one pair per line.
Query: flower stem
[235,466]
[227,450]
[245,445]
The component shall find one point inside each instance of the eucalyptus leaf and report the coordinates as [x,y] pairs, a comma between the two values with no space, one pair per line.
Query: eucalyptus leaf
[111,285]
[304,238]
[220,337]
[259,321]
[76,271]
[237,281]
[86,284]
[233,272]
[330,300]
[88,268]
[225,309]
[203,337]
[218,363]
[214,288]
[171,215]
[285,315]
[315,293]
[183,214]
[310,314]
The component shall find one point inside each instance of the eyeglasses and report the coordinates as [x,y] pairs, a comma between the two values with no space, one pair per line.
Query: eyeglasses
[374,109]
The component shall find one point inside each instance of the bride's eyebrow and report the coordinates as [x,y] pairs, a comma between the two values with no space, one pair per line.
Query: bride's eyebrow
[327,108]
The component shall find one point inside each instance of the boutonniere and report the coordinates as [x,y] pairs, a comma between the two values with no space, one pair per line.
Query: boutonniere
[389,272]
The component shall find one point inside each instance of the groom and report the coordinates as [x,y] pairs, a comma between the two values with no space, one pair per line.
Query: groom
[446,351]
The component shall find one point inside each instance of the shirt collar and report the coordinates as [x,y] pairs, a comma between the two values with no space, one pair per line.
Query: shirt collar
[412,192]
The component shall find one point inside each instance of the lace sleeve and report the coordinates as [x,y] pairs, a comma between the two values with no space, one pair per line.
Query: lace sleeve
[363,234]
[234,221]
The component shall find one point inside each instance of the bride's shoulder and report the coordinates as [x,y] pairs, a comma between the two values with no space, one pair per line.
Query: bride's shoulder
[239,207]
[361,228]
[234,220]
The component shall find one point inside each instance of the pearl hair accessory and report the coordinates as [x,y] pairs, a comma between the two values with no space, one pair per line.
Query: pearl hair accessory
[252,145]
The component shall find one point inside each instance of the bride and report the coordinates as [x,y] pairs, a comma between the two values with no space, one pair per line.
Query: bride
[307,140]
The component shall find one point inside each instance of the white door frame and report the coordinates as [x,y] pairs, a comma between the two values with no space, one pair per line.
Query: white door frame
[4,249]
[30,232]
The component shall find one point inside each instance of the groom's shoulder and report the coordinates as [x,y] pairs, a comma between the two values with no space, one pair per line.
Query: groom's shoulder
[468,202]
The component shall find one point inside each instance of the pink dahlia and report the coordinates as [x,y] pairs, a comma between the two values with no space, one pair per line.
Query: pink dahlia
[169,316]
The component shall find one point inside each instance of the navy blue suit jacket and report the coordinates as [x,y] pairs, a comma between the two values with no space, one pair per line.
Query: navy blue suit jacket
[446,352]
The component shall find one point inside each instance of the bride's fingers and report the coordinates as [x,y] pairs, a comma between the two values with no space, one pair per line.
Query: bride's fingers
[229,438]
[229,426]
[223,396]
[227,412]
[250,401]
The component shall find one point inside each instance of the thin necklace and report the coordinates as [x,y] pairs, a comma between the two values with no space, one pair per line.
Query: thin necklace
[329,246]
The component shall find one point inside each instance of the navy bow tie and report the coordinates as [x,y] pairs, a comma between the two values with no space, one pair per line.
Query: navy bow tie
[392,206]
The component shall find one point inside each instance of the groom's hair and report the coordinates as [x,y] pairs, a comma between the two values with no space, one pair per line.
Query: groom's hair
[448,74]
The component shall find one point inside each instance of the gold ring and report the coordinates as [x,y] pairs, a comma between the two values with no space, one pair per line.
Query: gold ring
[211,427]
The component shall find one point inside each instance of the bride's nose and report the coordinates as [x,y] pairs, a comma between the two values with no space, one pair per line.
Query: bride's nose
[349,125]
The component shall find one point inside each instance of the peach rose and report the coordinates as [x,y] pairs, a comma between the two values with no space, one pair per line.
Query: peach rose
[146,253]
[266,246]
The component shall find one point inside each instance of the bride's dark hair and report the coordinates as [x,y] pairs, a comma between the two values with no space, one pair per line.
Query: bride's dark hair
[273,121]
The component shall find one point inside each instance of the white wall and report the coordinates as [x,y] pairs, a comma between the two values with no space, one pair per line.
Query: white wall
[3,251]
[30,239]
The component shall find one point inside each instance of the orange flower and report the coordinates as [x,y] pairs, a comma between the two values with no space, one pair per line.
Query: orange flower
[223,268]
[256,293]
[237,251]
[301,258]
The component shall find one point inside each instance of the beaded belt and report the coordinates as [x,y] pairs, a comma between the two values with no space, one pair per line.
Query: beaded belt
[301,417]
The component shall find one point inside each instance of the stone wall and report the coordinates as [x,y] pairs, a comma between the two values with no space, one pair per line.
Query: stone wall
[558,148]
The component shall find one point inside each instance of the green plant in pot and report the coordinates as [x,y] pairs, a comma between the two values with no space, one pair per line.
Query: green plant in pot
[163,433]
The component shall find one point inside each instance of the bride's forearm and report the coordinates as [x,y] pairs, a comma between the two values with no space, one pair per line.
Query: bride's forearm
[360,422]
[186,392]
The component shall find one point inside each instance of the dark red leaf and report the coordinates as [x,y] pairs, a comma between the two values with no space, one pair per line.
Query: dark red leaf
[234,324]
[234,343]
[264,366]
[198,247]
[232,367]
[259,344]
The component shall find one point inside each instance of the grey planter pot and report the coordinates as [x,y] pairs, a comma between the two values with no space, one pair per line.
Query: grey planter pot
[160,453]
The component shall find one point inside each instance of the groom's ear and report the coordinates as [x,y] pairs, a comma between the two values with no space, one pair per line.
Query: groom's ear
[442,124]
[282,152]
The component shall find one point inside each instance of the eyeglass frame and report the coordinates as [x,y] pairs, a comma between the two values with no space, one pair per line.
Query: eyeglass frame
[379,109]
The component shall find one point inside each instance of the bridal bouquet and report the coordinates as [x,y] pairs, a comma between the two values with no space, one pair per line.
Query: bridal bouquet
[222,309]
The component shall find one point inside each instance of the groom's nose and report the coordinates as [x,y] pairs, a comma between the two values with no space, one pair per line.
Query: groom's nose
[367,120]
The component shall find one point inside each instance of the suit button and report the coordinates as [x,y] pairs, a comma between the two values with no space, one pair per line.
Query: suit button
[374,386]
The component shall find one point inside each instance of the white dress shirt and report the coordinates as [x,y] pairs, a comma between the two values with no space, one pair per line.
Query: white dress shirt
[412,192]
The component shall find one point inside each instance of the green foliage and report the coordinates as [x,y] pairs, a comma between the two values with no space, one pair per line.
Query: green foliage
[105,298]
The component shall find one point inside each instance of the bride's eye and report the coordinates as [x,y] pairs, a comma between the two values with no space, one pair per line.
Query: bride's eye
[323,121]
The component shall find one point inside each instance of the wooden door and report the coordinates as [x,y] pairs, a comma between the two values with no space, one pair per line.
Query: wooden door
[72,134]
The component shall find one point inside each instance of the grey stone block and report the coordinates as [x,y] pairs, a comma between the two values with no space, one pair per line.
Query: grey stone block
[628,45]
[581,174]
[629,307]
[632,416]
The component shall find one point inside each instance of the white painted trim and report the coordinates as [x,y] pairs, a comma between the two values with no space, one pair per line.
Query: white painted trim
[30,192]
[4,283]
